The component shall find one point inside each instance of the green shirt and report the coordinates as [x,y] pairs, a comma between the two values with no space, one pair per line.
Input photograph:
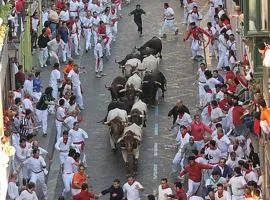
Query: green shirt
[41,105]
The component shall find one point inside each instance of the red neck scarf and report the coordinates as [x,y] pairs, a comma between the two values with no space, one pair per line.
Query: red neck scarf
[220,194]
[165,186]
[131,183]
[65,140]
[219,136]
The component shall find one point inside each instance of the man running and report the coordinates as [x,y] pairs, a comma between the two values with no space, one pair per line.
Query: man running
[168,21]
[138,17]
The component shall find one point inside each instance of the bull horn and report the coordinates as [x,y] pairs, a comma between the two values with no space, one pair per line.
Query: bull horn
[157,82]
[106,123]
[123,90]
[145,81]
[138,90]
[120,85]
[141,115]
[107,87]
[128,116]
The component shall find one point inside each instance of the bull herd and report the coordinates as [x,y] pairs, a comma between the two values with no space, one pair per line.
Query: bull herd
[131,93]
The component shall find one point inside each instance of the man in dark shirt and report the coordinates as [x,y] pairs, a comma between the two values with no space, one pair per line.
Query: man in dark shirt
[116,191]
[43,40]
[138,17]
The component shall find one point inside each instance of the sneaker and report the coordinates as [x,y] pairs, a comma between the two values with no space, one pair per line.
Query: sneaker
[77,54]
[102,74]
[45,65]
[176,32]
[192,58]
[98,76]
[86,50]
[44,135]
[81,108]
[140,35]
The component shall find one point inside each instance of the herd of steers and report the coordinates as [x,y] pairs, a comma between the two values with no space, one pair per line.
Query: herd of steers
[131,92]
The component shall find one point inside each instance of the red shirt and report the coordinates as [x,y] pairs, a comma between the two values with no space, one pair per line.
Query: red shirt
[195,33]
[60,5]
[195,171]
[102,30]
[84,195]
[237,112]
[223,104]
[232,87]
[197,130]
[229,75]
[181,194]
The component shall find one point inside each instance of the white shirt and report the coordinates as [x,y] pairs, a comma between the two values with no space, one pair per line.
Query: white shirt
[223,144]
[69,121]
[35,165]
[237,185]
[45,16]
[98,51]
[68,165]
[212,82]
[15,138]
[88,22]
[169,13]
[77,136]
[54,45]
[251,176]
[214,155]
[220,95]
[73,8]
[232,163]
[222,45]
[64,15]
[27,104]
[60,114]
[28,86]
[217,3]
[95,23]
[185,120]
[25,195]
[35,24]
[216,113]
[74,78]
[12,191]
[20,154]
[239,151]
[61,146]
[184,140]
[132,192]
[54,77]
[226,196]
[162,193]
[201,160]
[202,78]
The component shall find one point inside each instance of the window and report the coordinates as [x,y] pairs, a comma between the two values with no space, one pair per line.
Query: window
[257,20]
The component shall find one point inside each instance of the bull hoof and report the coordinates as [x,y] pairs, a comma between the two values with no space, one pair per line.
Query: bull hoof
[114,150]
[144,125]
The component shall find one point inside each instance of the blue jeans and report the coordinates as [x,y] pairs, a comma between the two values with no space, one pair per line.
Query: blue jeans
[53,27]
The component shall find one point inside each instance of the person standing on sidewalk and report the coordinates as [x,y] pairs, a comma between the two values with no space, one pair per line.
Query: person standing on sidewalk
[98,53]
[168,21]
[45,100]
[138,17]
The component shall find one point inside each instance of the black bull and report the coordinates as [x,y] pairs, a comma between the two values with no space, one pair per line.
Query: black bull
[151,47]
[118,84]
[150,85]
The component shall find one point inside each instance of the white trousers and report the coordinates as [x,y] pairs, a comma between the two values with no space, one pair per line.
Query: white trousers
[108,45]
[192,187]
[79,98]
[55,91]
[66,53]
[238,197]
[53,57]
[99,65]
[201,94]
[67,180]
[95,37]
[222,60]
[3,182]
[37,95]
[114,31]
[62,157]
[58,126]
[75,39]
[176,163]
[167,24]
[39,178]
[42,116]
[43,56]
[196,48]
[87,36]
[213,47]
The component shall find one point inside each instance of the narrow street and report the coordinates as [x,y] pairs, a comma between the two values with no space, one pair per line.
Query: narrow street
[155,160]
